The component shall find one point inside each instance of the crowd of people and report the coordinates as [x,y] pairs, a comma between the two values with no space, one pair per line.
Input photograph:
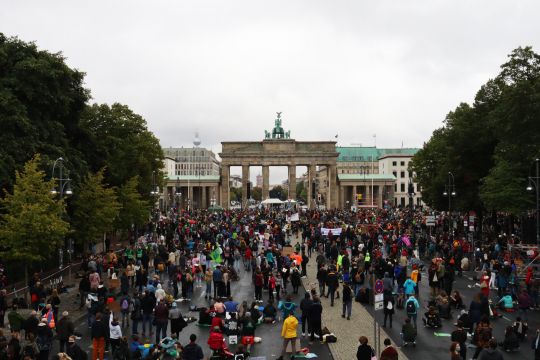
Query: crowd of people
[131,297]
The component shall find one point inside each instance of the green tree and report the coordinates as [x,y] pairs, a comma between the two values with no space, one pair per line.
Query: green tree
[488,145]
[256,193]
[301,191]
[120,141]
[41,100]
[278,192]
[96,207]
[134,209]
[32,227]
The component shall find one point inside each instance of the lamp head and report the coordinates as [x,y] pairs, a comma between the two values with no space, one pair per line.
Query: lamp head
[529,188]
[53,191]
[453,193]
[445,193]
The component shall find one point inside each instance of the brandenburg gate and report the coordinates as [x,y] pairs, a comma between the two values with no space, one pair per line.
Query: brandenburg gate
[278,149]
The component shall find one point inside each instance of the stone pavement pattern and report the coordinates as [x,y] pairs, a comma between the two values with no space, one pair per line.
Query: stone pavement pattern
[347,332]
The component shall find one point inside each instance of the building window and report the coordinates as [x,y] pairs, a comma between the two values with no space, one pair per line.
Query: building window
[402,187]
[394,173]
[402,201]
[402,174]
[402,163]
[394,163]
[395,187]
[410,174]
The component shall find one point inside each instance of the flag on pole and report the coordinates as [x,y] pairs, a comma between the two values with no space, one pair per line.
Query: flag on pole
[215,255]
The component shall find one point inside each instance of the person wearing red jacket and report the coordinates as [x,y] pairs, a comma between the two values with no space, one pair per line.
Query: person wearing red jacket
[216,342]
[529,279]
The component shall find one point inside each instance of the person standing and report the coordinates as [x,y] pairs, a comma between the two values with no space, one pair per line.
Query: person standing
[99,334]
[161,319]
[536,345]
[217,276]
[491,352]
[460,336]
[412,306]
[177,320]
[115,334]
[388,308]
[347,300]
[364,351]
[44,339]
[288,333]
[305,306]
[192,351]
[332,282]
[321,278]
[314,318]
[64,329]
[389,352]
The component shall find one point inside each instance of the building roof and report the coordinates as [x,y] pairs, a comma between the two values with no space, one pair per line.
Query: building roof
[367,177]
[369,153]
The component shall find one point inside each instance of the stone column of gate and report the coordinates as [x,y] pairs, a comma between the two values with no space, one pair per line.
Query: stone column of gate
[266,182]
[225,197]
[204,204]
[368,200]
[245,180]
[292,182]
[332,191]
[342,203]
[379,196]
[311,176]
[354,200]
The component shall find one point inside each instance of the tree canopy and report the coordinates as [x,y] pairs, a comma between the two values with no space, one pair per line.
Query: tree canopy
[488,145]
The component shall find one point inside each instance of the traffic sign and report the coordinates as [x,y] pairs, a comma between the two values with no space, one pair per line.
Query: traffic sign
[379,305]
[430,220]
[379,297]
[379,286]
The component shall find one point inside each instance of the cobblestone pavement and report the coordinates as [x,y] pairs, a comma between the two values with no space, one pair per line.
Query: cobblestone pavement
[346,331]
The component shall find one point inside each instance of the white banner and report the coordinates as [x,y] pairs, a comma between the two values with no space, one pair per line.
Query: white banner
[295,217]
[335,232]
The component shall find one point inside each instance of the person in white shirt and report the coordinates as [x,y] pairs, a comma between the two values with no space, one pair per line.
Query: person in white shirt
[115,333]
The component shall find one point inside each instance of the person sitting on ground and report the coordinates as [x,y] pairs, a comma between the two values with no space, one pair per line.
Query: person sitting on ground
[216,342]
[248,331]
[442,302]
[432,318]
[456,301]
[520,327]
[507,302]
[256,315]
[287,307]
[241,353]
[511,341]
[269,312]
[408,332]
[230,305]
[231,325]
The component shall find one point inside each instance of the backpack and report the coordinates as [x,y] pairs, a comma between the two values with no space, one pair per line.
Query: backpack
[411,309]
[125,305]
[28,351]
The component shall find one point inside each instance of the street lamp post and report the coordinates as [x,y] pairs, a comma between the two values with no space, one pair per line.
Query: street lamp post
[535,180]
[154,192]
[450,191]
[64,188]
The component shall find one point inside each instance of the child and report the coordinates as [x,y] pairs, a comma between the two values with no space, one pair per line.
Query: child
[400,301]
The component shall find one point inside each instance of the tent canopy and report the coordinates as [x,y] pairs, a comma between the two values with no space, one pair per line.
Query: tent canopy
[271,201]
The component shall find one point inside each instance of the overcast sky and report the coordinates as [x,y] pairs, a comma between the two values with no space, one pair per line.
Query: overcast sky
[223,68]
